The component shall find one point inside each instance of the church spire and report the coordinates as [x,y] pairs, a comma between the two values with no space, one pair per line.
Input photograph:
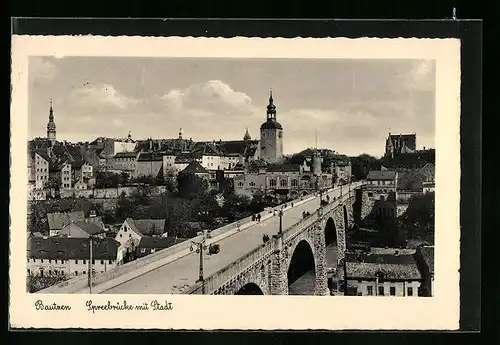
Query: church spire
[51,126]
[271,108]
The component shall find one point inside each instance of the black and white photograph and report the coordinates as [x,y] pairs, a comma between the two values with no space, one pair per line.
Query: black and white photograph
[219,175]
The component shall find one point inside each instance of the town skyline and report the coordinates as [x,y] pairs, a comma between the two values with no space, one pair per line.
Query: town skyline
[352,113]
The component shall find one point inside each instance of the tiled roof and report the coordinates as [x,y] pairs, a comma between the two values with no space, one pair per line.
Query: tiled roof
[70,248]
[125,155]
[284,168]
[149,157]
[159,242]
[59,220]
[271,124]
[195,168]
[428,255]
[206,149]
[381,175]
[239,147]
[89,227]
[184,158]
[43,153]
[147,227]
[392,266]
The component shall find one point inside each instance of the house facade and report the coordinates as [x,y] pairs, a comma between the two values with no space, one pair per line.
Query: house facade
[379,196]
[70,257]
[382,274]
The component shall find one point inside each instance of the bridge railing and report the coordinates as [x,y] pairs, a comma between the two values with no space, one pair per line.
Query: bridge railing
[224,275]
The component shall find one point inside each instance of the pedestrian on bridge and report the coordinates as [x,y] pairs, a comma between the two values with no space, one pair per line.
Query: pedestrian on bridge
[258,217]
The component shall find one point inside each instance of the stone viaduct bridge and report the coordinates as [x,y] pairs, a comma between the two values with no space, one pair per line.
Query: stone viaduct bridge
[272,267]
[245,264]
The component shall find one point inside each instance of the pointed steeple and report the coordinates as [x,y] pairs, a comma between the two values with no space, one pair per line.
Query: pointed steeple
[51,126]
[247,136]
[271,108]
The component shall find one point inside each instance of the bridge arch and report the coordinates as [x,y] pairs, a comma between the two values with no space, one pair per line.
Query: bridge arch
[330,232]
[302,265]
[250,289]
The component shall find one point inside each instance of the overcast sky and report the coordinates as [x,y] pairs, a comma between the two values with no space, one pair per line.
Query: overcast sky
[351,103]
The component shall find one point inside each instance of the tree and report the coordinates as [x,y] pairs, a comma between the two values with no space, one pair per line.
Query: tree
[190,186]
[236,207]
[124,208]
[362,164]
[178,217]
[106,179]
[297,158]
[37,218]
[125,178]
[418,219]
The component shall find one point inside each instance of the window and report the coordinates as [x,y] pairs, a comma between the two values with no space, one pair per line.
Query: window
[76,262]
[121,235]
[392,291]
[295,183]
[369,290]
[50,272]
[370,194]
[272,183]
[129,235]
[41,261]
[29,272]
[62,261]
[410,291]
[84,262]
[382,198]
[93,262]
[240,184]
[76,273]
[84,272]
[50,261]
[62,273]
[124,229]
[252,184]
[56,261]
[380,290]
[102,262]
[110,262]
[283,183]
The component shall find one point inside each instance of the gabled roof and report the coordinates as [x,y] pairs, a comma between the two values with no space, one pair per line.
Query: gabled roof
[195,168]
[72,248]
[125,155]
[206,149]
[58,220]
[90,228]
[381,175]
[367,266]
[43,153]
[147,227]
[159,242]
[184,157]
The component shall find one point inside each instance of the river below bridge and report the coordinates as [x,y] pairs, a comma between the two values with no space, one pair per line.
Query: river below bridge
[305,284]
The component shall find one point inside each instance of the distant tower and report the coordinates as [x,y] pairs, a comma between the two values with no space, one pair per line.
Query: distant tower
[389,146]
[316,159]
[51,127]
[247,136]
[271,136]
[180,134]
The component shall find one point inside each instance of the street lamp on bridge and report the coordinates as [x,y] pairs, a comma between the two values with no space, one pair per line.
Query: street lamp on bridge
[201,246]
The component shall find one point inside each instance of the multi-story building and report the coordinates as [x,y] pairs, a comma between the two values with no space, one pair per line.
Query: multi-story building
[149,164]
[123,161]
[83,229]
[70,256]
[58,220]
[385,273]
[379,196]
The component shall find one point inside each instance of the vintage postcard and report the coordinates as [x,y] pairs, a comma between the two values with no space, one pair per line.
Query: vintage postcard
[155,181]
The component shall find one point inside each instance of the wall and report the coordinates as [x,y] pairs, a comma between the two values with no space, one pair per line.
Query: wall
[271,145]
[107,193]
[148,168]
[71,268]
[401,287]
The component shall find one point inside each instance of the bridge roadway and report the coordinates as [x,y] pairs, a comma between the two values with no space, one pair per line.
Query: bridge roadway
[184,271]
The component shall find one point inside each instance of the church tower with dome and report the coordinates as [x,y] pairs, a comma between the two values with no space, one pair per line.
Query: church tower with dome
[271,136]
